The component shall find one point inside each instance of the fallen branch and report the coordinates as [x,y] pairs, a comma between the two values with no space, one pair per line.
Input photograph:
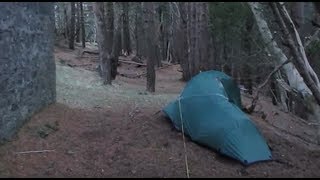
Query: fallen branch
[165,62]
[27,152]
[132,62]
[71,65]
[91,57]
[300,59]
[90,52]
[145,73]
[256,97]
[141,74]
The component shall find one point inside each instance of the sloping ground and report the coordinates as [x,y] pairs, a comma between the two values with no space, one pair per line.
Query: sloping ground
[114,131]
[83,89]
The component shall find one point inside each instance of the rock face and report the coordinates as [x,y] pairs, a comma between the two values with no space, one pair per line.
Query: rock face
[27,68]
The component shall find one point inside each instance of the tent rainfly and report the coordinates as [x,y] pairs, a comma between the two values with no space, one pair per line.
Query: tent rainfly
[210,109]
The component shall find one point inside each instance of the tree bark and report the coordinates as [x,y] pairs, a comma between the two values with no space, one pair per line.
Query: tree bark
[66,21]
[204,37]
[78,25]
[138,30]
[72,26]
[116,46]
[105,58]
[299,57]
[183,41]
[192,36]
[126,31]
[149,13]
[110,26]
[294,77]
[297,14]
[162,28]
[83,32]
[196,46]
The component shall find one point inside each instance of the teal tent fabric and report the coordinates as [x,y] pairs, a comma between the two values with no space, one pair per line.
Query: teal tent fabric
[210,109]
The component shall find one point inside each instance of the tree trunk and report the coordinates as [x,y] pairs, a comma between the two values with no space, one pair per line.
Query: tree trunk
[105,59]
[183,41]
[157,33]
[126,31]
[116,45]
[138,30]
[172,9]
[299,57]
[83,32]
[294,77]
[204,37]
[72,26]
[191,28]
[66,21]
[165,21]
[116,51]
[149,14]
[175,33]
[297,14]
[110,26]
[162,28]
[197,45]
[78,26]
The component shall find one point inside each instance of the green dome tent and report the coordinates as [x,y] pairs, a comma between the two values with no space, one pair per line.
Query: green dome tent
[210,109]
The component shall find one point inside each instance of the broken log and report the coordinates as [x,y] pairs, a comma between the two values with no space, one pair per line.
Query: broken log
[142,74]
[132,62]
[90,52]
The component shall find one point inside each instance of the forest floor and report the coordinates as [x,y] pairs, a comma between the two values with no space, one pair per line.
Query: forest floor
[115,131]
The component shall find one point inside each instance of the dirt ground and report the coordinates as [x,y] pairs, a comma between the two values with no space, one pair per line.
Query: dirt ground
[115,131]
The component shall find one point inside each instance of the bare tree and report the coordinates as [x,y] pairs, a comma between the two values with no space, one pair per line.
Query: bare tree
[149,14]
[114,37]
[204,37]
[104,52]
[83,32]
[294,77]
[182,43]
[196,51]
[297,49]
[78,25]
[138,31]
[109,25]
[72,26]
[66,20]
[162,27]
[126,33]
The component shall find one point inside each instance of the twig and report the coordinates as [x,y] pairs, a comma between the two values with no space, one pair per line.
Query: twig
[157,112]
[312,38]
[275,97]
[256,97]
[27,152]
